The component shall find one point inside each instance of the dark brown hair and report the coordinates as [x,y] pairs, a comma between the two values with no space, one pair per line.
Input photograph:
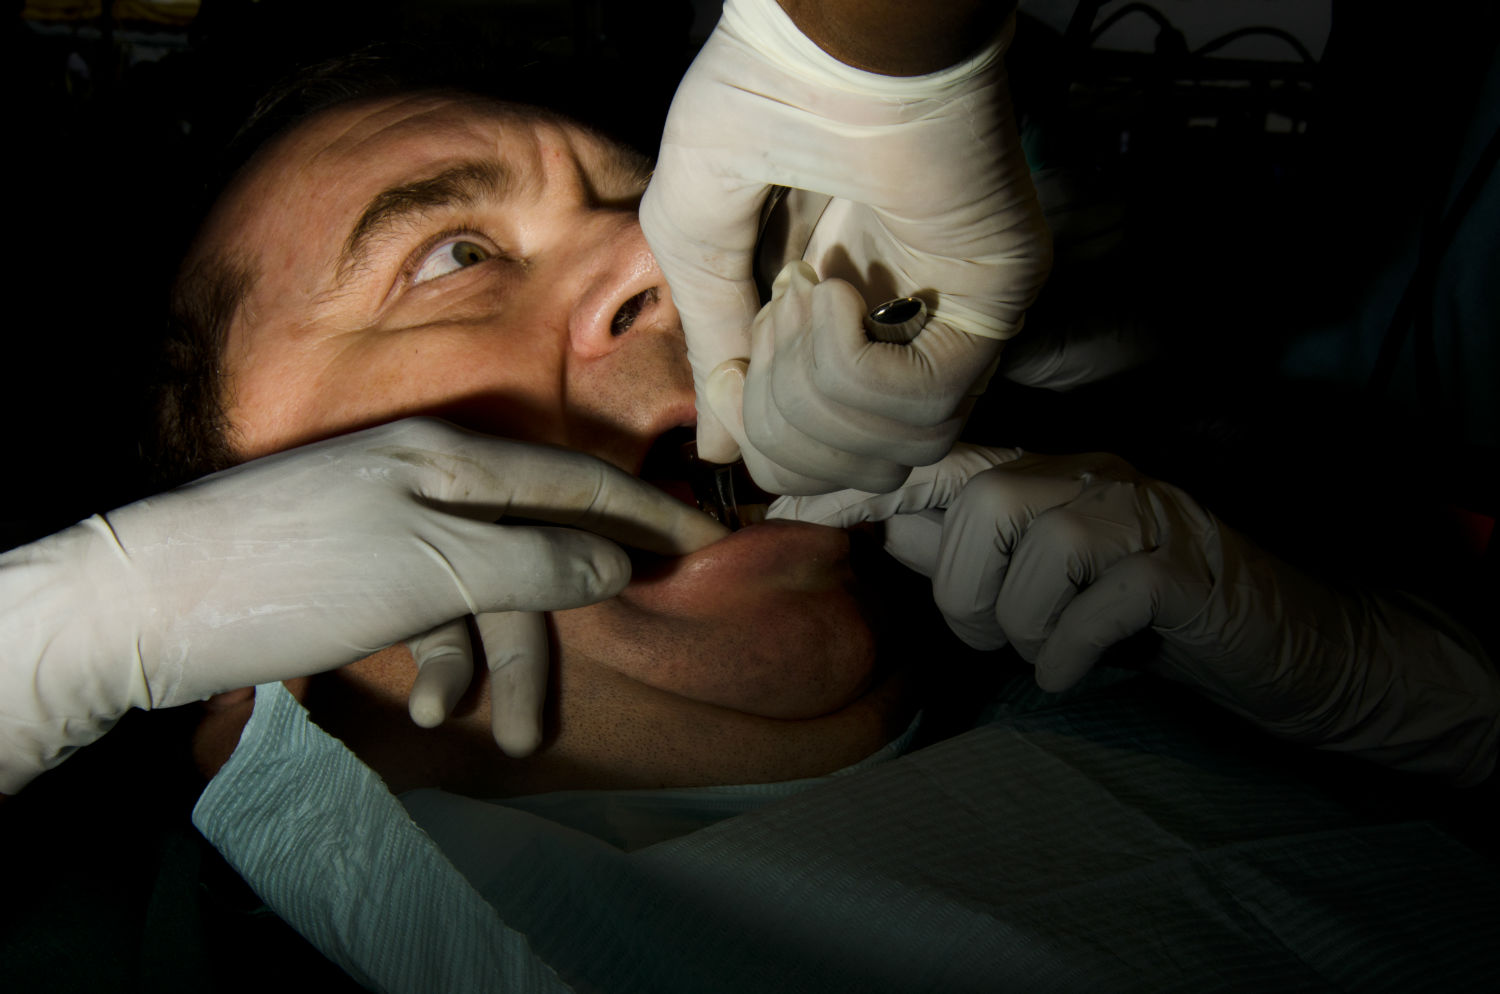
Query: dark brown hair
[188,432]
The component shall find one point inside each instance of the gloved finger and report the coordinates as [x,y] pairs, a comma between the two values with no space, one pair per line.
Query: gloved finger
[445,667]
[1127,599]
[794,376]
[516,652]
[489,479]
[864,434]
[920,383]
[714,439]
[714,340]
[788,394]
[913,540]
[1062,551]
[777,329]
[725,393]
[511,568]
[983,526]
[797,454]
[933,486]
[700,225]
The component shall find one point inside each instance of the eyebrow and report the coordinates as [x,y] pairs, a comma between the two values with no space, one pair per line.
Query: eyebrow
[461,185]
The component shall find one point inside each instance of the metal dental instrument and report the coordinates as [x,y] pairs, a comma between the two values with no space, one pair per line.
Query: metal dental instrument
[724,491]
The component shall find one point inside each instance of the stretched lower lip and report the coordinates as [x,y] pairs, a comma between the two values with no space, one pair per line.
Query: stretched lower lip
[772,548]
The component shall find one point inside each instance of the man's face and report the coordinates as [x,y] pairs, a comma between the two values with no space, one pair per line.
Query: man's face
[432,254]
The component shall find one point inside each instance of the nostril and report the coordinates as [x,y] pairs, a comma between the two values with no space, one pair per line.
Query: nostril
[630,310]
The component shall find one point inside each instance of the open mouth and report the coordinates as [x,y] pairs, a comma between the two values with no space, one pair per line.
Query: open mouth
[725,492]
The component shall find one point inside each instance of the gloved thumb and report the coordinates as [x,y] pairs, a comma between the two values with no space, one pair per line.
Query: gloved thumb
[724,395]
[445,667]
[523,568]
[722,399]
[516,651]
[913,540]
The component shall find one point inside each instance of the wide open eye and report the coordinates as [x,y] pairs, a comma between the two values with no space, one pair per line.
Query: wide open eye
[450,257]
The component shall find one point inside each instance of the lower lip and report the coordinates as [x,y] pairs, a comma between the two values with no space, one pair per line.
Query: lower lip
[770,549]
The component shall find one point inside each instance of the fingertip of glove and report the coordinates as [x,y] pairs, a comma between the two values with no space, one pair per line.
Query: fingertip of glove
[1054,679]
[716,445]
[797,272]
[977,638]
[724,389]
[720,429]
[518,742]
[607,572]
[426,713]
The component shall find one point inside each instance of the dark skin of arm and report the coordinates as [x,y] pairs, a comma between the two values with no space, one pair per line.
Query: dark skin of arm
[899,37]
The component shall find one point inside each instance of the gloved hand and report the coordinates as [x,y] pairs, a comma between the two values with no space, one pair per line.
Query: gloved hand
[1066,556]
[930,197]
[514,644]
[301,562]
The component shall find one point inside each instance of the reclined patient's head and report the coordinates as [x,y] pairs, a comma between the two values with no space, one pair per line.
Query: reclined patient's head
[434,253]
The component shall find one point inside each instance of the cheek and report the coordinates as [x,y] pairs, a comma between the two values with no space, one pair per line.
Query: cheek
[500,371]
[516,397]
[273,400]
[760,648]
[459,384]
[489,382]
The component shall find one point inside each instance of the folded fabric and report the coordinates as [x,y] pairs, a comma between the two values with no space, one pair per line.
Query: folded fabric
[325,845]
[1110,838]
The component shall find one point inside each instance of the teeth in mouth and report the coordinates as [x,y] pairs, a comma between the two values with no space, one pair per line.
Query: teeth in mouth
[630,310]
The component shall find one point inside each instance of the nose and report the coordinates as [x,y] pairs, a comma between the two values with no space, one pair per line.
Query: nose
[621,292]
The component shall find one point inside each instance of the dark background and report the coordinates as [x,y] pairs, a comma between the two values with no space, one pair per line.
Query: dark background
[1320,301]
[1234,245]
[118,131]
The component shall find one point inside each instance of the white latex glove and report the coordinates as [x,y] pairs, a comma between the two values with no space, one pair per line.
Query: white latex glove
[514,646]
[301,562]
[1064,557]
[930,197]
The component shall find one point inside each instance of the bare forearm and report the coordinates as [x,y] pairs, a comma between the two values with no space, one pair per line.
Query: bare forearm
[899,37]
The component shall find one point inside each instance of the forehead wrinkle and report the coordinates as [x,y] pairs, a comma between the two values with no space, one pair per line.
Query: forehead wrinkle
[458,186]
[622,174]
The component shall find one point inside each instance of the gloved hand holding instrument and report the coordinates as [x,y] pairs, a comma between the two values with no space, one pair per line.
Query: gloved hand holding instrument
[925,193]
[1065,556]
